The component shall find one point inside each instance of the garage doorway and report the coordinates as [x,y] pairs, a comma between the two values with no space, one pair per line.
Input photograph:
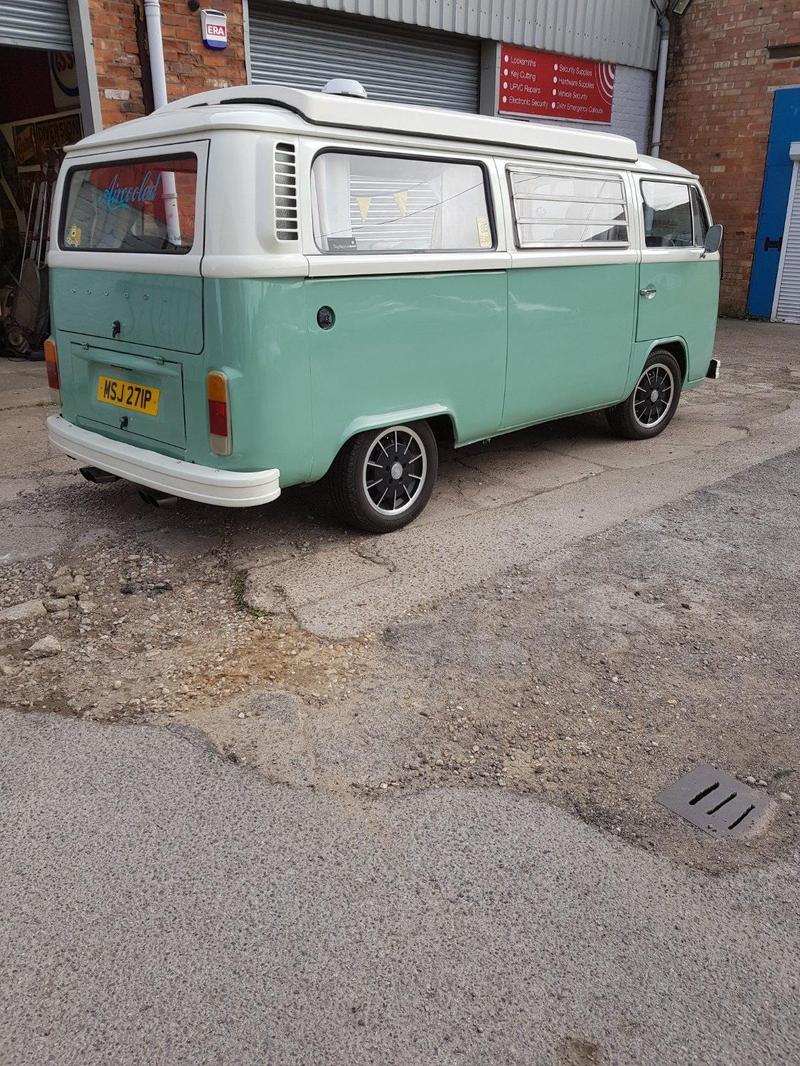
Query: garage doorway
[43,107]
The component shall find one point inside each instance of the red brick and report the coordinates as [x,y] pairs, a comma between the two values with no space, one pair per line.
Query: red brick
[715,114]
[190,66]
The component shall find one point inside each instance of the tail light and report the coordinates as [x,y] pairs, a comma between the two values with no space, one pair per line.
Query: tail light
[51,362]
[219,413]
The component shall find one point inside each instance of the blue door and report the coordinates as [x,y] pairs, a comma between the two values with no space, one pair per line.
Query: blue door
[784,129]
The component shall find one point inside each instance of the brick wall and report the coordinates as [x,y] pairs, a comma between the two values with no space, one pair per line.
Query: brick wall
[718,111]
[191,67]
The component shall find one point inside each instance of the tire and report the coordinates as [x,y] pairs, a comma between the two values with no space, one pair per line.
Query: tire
[374,481]
[644,414]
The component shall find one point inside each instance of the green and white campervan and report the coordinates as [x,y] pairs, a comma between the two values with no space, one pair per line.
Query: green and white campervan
[258,287]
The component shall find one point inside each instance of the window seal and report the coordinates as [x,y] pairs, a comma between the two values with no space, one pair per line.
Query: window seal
[475,162]
[666,180]
[126,161]
[694,195]
[589,246]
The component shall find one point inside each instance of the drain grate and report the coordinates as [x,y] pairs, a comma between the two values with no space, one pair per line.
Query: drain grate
[715,802]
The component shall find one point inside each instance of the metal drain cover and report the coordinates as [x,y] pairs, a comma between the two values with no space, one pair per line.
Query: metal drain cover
[715,802]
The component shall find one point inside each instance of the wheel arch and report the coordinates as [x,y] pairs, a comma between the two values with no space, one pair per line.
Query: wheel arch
[440,418]
[675,346]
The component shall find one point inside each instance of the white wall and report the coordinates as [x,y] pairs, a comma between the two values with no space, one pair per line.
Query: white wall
[631,111]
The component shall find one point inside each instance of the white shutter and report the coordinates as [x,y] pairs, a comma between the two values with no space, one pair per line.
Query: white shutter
[295,47]
[787,304]
[35,24]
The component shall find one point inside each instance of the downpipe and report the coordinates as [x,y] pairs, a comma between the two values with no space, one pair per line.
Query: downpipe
[661,82]
[158,76]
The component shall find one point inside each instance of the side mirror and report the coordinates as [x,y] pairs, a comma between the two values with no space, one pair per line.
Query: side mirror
[713,239]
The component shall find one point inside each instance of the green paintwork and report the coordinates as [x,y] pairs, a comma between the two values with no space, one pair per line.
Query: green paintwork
[569,340]
[258,329]
[402,345]
[155,310]
[684,306]
[88,363]
[490,350]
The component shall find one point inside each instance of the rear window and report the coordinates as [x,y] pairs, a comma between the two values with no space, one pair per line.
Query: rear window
[144,205]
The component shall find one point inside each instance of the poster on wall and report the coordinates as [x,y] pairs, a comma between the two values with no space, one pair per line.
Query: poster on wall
[64,80]
[38,142]
[538,84]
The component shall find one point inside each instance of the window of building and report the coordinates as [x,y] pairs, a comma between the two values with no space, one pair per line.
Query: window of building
[567,210]
[699,218]
[143,205]
[667,215]
[380,203]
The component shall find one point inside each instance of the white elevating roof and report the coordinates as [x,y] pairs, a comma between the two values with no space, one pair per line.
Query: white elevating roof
[327,109]
[252,105]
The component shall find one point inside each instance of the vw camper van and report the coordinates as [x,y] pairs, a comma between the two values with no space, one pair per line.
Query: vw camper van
[262,287]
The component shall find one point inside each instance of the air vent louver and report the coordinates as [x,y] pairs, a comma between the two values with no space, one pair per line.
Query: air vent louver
[285,170]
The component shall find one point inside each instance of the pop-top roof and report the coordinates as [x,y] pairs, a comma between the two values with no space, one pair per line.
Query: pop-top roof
[325,109]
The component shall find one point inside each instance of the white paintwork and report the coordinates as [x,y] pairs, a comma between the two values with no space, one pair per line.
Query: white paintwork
[235,225]
[345,87]
[327,266]
[322,109]
[190,481]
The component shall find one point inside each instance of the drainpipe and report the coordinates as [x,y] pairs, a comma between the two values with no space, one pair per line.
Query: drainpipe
[158,77]
[152,17]
[661,81]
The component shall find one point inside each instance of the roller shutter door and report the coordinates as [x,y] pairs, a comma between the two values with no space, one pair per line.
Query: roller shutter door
[787,307]
[35,24]
[294,47]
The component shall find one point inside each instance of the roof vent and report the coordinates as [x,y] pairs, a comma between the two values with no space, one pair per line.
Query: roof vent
[285,183]
[345,87]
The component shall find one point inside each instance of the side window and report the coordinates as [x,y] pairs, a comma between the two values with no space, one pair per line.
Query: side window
[379,203]
[667,215]
[557,210]
[699,218]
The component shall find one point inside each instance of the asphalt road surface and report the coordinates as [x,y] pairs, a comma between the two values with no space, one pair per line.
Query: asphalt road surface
[162,905]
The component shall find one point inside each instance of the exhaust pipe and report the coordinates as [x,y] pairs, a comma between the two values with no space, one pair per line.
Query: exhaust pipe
[98,476]
[158,499]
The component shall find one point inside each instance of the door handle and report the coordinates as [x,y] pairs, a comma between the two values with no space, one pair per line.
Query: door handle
[772,244]
[648,293]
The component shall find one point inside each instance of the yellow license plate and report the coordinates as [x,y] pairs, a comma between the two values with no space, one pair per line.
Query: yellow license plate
[128,394]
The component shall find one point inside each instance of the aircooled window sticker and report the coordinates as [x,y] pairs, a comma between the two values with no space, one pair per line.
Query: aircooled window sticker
[116,195]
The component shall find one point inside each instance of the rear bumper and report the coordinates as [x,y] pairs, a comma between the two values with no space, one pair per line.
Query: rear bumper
[206,484]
